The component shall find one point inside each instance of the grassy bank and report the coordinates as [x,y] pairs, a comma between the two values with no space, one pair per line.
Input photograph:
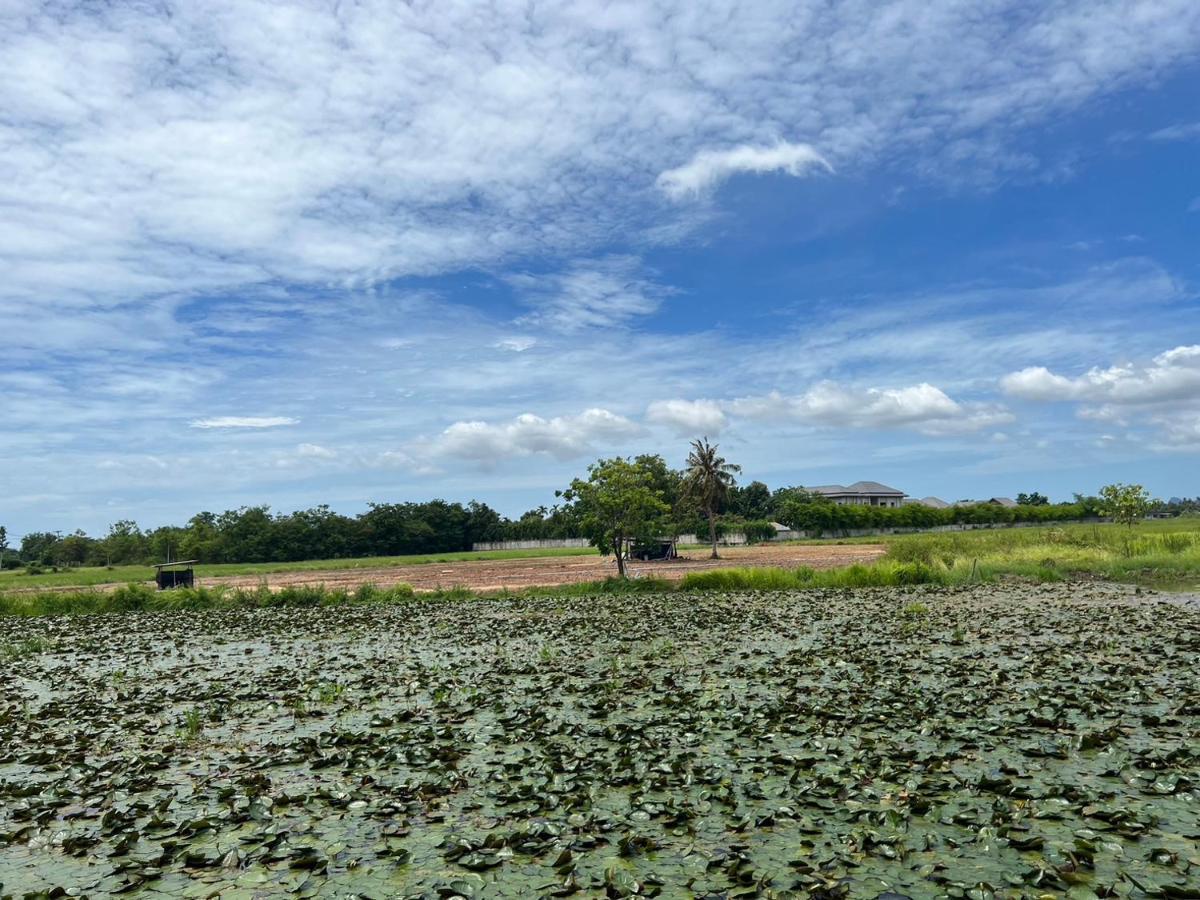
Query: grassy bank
[17,579]
[1153,556]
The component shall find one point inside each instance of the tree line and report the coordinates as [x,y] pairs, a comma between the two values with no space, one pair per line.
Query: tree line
[621,500]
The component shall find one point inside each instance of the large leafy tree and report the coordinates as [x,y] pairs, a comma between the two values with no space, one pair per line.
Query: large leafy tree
[708,479]
[1125,503]
[618,504]
[752,501]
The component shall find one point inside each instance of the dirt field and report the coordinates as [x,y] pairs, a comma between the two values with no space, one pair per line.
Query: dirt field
[545,571]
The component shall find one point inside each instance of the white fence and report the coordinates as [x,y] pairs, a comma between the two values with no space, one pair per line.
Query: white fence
[736,538]
[729,540]
[554,544]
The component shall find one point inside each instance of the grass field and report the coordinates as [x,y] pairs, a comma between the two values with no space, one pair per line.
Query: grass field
[86,577]
[1160,554]
[1018,544]
[992,741]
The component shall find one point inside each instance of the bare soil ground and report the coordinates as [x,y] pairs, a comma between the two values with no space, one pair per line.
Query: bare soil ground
[547,571]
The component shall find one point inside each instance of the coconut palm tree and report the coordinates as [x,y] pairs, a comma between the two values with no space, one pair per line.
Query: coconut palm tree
[708,480]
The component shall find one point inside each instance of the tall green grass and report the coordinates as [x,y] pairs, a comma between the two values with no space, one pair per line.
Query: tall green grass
[1110,552]
[885,573]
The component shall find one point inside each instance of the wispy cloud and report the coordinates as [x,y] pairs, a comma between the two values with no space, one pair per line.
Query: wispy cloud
[1183,131]
[709,168]
[598,293]
[243,422]
[229,143]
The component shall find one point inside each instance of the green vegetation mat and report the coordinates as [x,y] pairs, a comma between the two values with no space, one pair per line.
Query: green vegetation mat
[876,743]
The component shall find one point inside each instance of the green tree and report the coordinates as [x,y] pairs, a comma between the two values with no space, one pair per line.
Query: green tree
[125,544]
[78,549]
[752,501]
[41,547]
[1033,499]
[708,480]
[1125,503]
[618,504]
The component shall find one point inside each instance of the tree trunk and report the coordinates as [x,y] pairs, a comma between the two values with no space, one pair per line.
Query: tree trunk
[620,558]
[712,533]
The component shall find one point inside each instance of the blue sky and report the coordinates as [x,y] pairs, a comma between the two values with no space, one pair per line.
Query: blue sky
[343,252]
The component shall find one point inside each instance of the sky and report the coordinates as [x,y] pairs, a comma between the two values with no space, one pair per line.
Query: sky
[337,252]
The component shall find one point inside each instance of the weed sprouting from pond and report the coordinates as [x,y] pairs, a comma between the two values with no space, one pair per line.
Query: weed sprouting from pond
[1019,742]
[24,647]
[330,691]
[193,724]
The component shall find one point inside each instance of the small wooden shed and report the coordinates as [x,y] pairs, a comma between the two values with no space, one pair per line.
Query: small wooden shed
[175,574]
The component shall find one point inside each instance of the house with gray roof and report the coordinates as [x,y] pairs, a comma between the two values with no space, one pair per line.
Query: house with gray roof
[931,502]
[861,493]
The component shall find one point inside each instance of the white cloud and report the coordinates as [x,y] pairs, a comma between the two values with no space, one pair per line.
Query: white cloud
[709,168]
[688,418]
[563,437]
[593,294]
[516,344]
[234,142]
[1172,376]
[1162,395]
[1181,432]
[244,422]
[1182,131]
[315,451]
[832,404]
[1038,383]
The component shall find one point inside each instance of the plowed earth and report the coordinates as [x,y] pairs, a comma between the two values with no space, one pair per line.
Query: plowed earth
[548,571]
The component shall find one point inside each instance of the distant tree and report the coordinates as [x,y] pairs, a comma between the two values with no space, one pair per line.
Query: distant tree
[1034,499]
[483,524]
[77,549]
[41,547]
[125,544]
[1125,503]
[752,501]
[618,504]
[708,480]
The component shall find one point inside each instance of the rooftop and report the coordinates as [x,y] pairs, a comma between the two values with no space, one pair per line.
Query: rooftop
[859,487]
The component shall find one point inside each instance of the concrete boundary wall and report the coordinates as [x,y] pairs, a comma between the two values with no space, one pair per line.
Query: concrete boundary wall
[735,539]
[554,544]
